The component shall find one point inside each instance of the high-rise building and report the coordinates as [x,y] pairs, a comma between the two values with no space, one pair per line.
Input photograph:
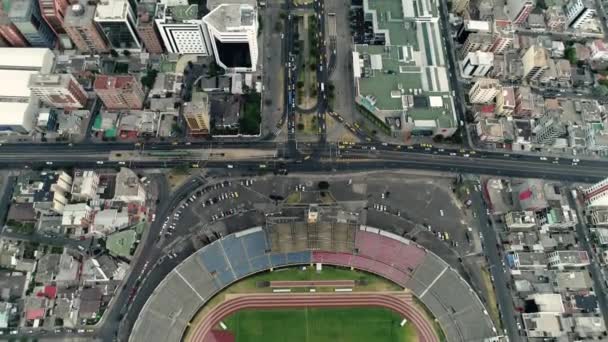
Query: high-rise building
[116,19]
[146,28]
[119,92]
[58,90]
[10,33]
[196,114]
[548,127]
[53,11]
[519,10]
[26,16]
[484,90]
[477,64]
[535,62]
[472,26]
[478,41]
[182,30]
[502,37]
[596,196]
[579,11]
[81,28]
[233,31]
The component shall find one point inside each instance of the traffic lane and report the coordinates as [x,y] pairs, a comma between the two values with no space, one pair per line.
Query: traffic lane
[149,253]
[494,258]
[484,165]
[598,284]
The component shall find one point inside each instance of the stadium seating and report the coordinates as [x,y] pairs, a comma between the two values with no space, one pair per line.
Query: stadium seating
[238,255]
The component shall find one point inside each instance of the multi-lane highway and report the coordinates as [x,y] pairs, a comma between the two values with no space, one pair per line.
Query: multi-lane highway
[328,156]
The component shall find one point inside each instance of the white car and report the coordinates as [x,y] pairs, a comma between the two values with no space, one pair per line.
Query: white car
[543,158]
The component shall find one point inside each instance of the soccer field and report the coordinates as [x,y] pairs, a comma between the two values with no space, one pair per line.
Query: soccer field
[320,325]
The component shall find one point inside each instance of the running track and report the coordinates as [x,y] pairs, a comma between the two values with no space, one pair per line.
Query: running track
[401,303]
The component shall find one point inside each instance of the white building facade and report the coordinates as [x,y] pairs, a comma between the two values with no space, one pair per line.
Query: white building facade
[233,30]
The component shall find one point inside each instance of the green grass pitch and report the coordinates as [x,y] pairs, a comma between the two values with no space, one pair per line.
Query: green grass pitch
[319,325]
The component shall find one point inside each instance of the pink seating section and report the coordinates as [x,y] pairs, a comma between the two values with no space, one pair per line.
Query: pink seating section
[389,251]
[378,254]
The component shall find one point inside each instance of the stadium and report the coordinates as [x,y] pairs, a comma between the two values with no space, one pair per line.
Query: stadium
[309,280]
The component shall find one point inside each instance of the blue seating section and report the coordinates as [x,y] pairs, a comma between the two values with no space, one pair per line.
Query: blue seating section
[278,260]
[255,244]
[213,258]
[234,249]
[241,269]
[299,257]
[233,257]
[225,277]
[260,263]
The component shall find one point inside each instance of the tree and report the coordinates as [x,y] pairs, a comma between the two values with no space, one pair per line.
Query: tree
[300,84]
[603,82]
[113,53]
[570,54]
[149,79]
[323,185]
[600,91]
[282,15]
[126,53]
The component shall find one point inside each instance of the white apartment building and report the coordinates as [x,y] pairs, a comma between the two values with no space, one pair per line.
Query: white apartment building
[484,90]
[233,30]
[181,29]
[578,12]
[477,64]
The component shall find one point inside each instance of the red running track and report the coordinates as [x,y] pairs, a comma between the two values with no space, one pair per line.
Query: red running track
[401,304]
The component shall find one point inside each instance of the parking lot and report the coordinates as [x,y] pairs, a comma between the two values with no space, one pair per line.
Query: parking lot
[217,209]
[419,207]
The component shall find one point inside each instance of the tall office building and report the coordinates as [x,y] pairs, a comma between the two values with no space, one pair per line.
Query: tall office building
[502,37]
[119,92]
[146,28]
[579,12]
[116,19]
[26,16]
[535,62]
[53,11]
[518,10]
[477,64]
[596,196]
[478,41]
[233,30]
[196,114]
[81,28]
[58,90]
[547,129]
[484,90]
[472,26]
[10,33]
[181,29]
